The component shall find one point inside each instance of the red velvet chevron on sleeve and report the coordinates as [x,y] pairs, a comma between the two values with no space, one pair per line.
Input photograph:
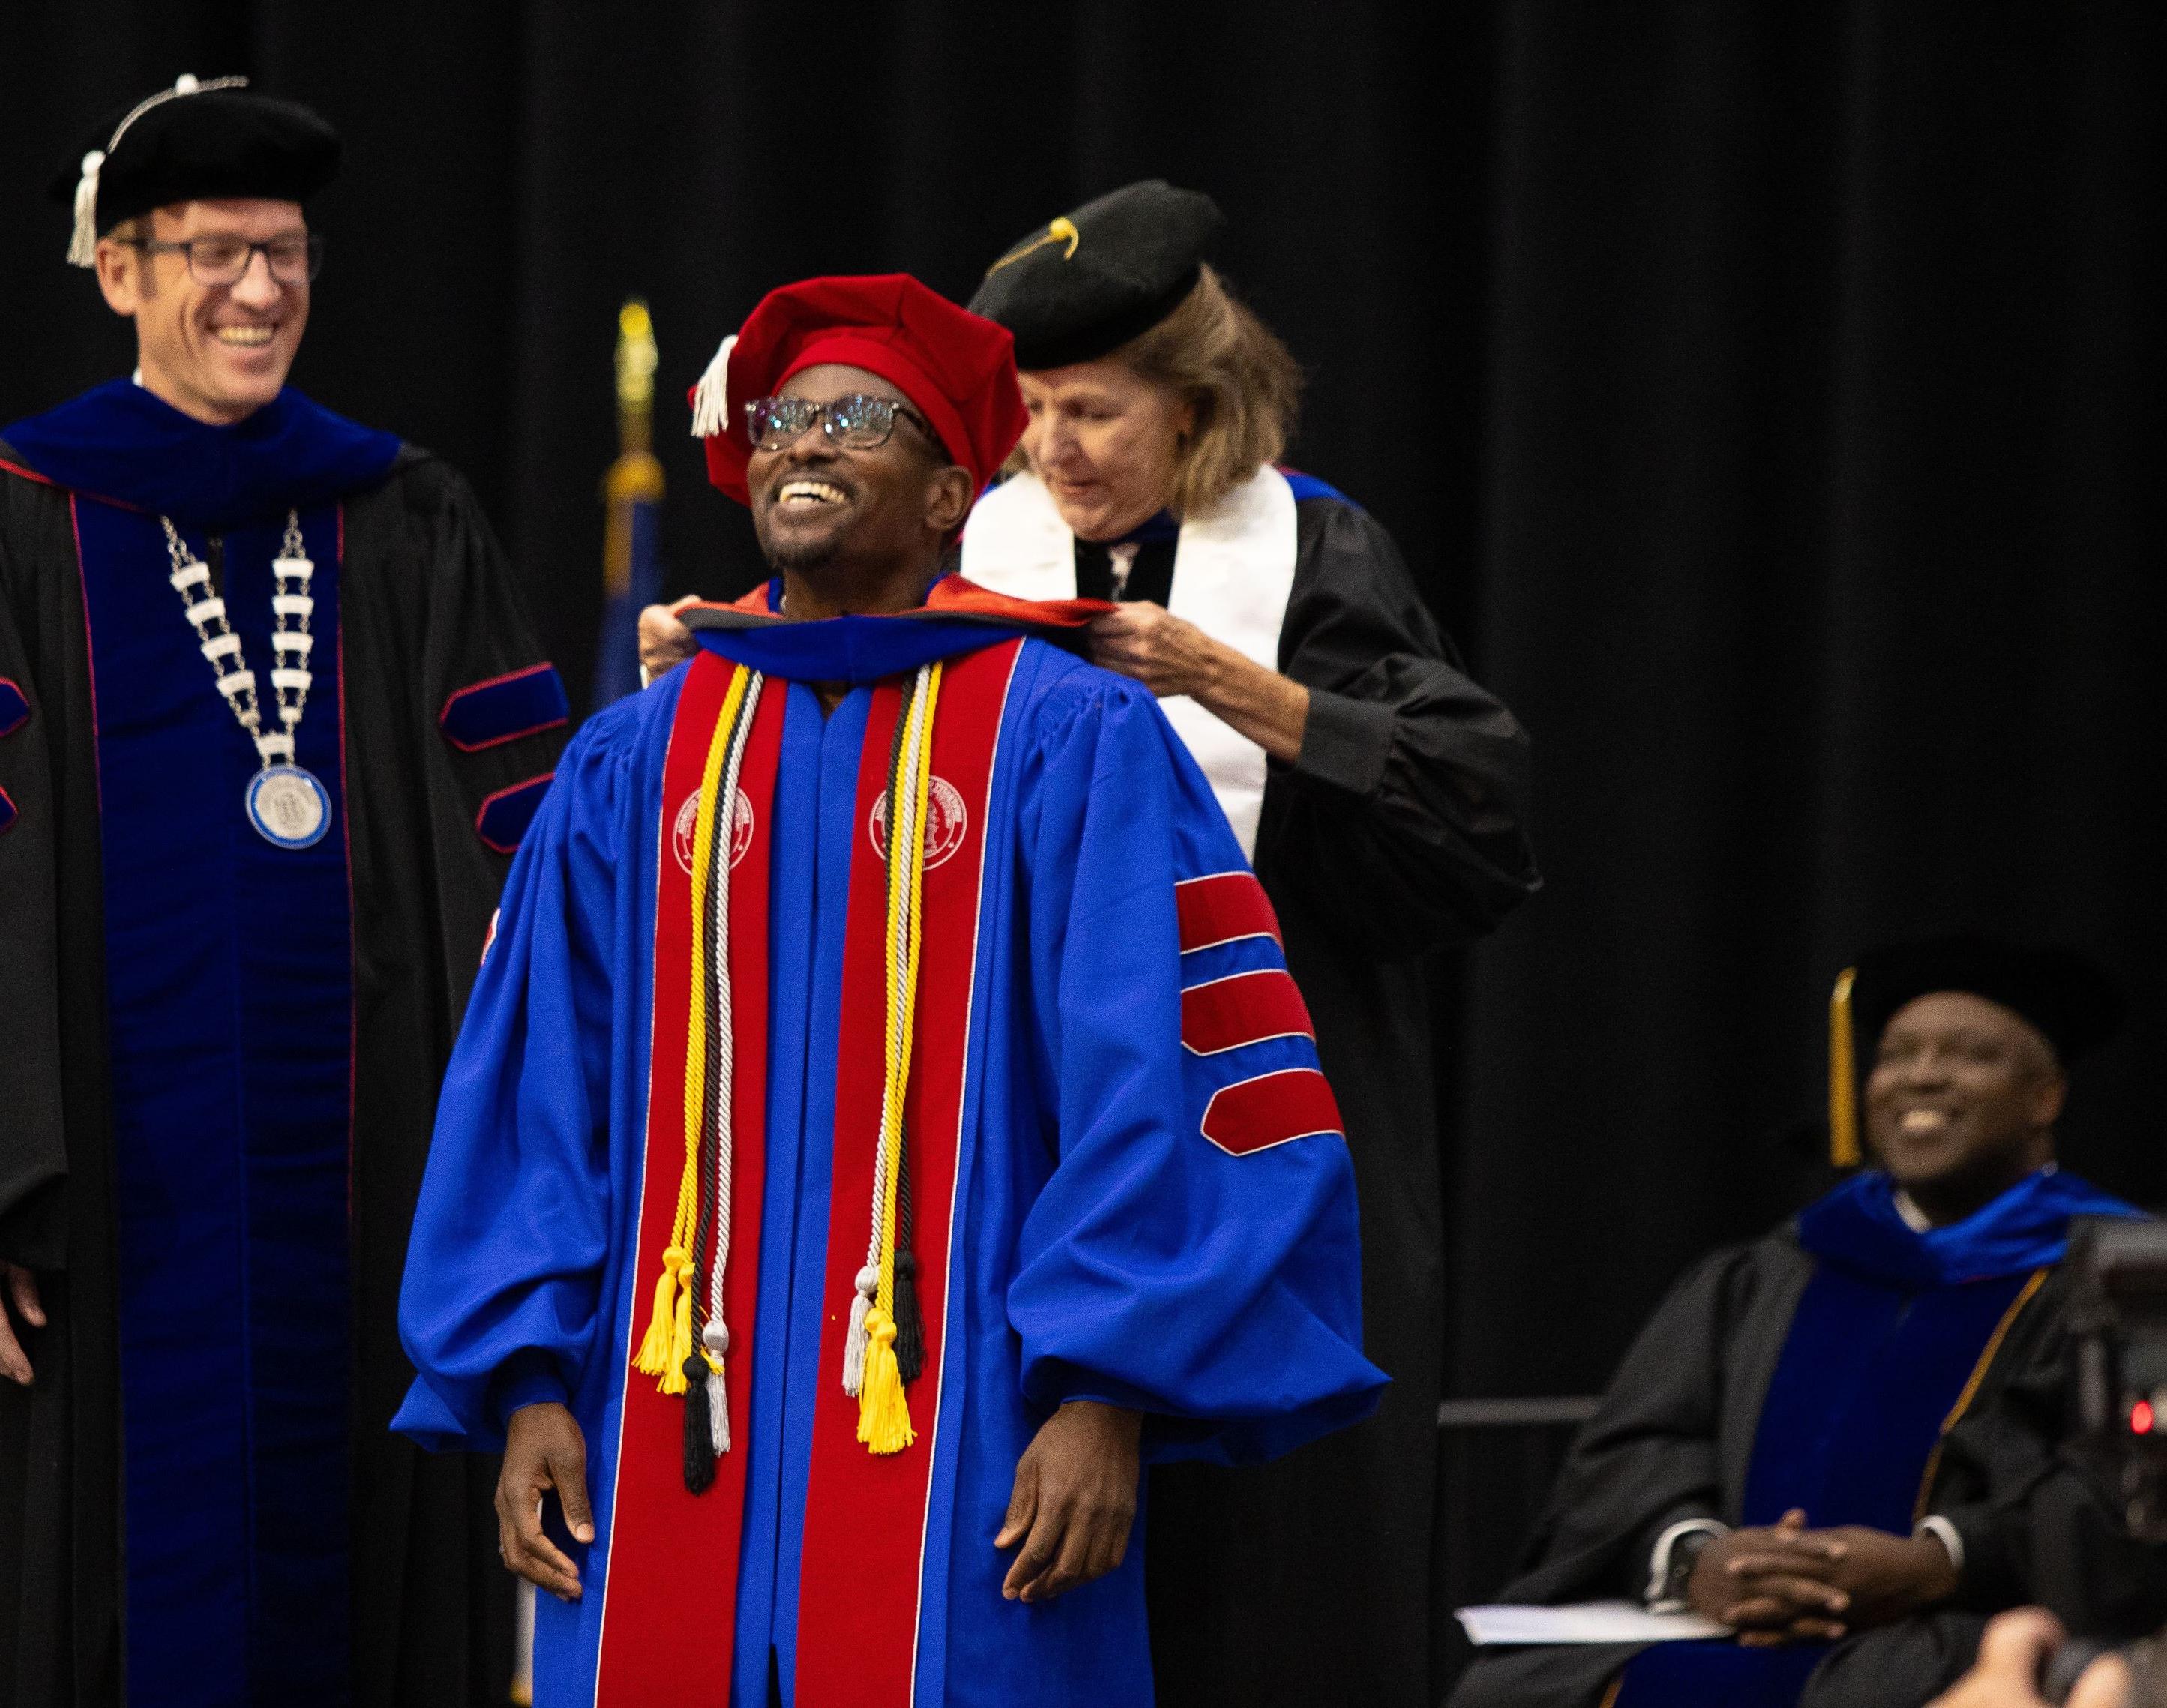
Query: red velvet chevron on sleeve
[1223,908]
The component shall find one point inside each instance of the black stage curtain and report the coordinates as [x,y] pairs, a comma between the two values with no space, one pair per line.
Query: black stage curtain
[1764,394]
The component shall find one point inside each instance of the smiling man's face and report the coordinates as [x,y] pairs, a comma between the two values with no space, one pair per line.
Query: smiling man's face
[1963,1093]
[218,353]
[814,503]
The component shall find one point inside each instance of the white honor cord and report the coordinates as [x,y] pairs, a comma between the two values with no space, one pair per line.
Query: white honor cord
[292,607]
[903,833]
[715,1335]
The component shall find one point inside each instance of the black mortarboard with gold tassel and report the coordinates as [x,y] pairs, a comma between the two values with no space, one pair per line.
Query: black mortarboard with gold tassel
[2071,1001]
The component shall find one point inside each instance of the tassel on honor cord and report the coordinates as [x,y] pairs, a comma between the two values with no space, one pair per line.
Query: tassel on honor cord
[870,1355]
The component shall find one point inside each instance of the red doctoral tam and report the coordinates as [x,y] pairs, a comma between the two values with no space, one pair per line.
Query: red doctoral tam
[958,368]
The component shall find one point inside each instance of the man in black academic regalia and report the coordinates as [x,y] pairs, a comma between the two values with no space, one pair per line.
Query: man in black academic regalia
[1849,1439]
[271,723]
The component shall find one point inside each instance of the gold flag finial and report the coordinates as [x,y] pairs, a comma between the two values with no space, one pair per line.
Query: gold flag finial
[636,357]
[635,477]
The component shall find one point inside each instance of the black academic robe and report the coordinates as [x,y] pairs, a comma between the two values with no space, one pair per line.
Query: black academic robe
[1396,836]
[1676,1438]
[426,609]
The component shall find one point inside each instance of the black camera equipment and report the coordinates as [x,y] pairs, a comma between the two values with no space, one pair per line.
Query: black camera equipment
[2118,1313]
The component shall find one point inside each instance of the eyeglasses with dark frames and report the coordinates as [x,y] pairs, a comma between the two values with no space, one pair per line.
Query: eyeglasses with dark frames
[857,422]
[224,261]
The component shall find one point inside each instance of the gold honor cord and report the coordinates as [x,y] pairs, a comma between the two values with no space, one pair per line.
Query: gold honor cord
[884,1411]
[668,1340]
[1843,1074]
[1060,230]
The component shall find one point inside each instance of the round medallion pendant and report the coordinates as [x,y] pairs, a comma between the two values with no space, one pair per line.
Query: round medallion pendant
[945,822]
[288,807]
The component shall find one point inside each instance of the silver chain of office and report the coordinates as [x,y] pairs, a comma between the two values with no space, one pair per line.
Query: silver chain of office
[291,607]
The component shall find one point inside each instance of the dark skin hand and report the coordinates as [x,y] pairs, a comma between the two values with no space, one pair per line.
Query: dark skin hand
[1770,1583]
[542,1449]
[1788,1583]
[1888,1577]
[21,1287]
[1074,1501]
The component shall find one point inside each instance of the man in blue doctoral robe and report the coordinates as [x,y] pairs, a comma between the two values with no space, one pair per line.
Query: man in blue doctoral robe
[1849,1440]
[884,1119]
[271,720]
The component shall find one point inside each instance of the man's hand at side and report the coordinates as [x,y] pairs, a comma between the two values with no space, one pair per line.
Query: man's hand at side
[542,1449]
[1075,1498]
[22,1301]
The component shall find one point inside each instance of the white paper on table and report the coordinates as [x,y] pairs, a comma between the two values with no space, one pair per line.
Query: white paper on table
[1583,1622]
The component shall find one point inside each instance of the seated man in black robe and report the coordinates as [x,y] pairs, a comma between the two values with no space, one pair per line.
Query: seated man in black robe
[1847,1440]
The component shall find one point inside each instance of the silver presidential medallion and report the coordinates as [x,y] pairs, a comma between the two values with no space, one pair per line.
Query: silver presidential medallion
[288,807]
[285,803]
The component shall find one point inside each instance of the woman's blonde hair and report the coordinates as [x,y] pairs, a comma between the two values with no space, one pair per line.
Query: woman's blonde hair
[1216,353]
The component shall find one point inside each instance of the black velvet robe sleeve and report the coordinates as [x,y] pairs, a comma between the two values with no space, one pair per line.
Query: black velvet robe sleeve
[32,1144]
[60,1439]
[1404,817]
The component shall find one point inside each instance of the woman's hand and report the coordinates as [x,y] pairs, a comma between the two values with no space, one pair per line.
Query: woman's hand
[1171,656]
[22,1300]
[1167,655]
[663,641]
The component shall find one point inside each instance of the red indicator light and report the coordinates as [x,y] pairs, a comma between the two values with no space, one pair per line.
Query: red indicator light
[2140,1418]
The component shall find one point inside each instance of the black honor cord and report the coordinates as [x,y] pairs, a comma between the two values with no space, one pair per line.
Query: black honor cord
[699,1420]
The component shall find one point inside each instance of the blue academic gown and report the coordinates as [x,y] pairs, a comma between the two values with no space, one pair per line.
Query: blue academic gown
[1102,1247]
